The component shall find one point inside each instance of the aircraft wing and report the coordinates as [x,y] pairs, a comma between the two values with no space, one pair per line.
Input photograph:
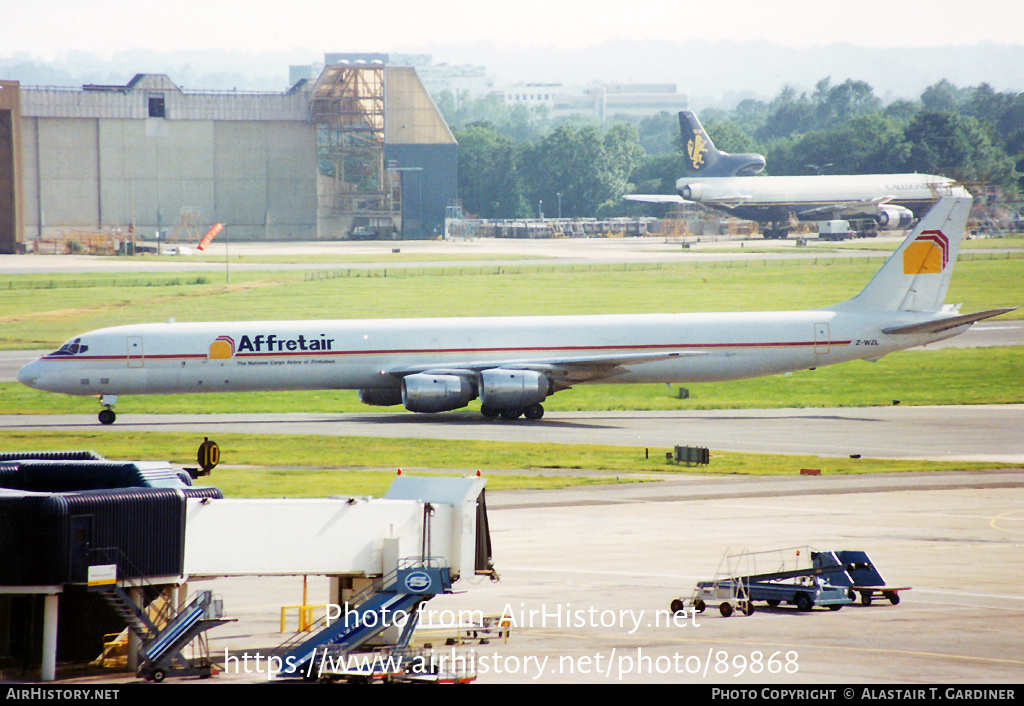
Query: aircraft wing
[655,198]
[565,370]
[862,206]
[727,200]
[946,324]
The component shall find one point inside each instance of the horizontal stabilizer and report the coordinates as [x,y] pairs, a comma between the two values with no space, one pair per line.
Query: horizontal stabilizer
[946,324]
[655,198]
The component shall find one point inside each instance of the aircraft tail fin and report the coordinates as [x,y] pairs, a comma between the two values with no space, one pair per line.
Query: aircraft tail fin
[703,159]
[701,155]
[916,277]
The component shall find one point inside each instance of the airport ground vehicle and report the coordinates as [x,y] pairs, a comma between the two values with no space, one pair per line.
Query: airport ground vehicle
[800,577]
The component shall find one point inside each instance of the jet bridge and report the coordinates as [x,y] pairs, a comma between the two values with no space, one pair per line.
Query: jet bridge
[179,535]
[363,537]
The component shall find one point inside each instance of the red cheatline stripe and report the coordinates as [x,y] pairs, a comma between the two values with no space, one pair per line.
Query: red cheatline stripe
[448,351]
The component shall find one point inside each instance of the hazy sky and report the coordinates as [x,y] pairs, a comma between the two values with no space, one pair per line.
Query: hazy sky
[51,29]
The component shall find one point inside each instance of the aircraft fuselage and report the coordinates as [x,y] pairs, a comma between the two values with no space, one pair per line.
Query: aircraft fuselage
[358,354]
[767,198]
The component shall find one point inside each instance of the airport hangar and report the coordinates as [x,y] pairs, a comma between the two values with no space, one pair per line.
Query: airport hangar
[361,151]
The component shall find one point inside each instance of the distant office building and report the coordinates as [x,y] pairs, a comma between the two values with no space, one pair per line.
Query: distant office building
[597,102]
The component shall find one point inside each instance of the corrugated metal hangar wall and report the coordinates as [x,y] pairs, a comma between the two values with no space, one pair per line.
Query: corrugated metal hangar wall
[11,225]
[140,156]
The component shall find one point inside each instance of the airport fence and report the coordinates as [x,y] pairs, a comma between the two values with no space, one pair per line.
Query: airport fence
[426,270]
[30,282]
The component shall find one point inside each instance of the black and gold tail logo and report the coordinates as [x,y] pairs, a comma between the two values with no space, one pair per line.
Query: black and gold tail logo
[696,148]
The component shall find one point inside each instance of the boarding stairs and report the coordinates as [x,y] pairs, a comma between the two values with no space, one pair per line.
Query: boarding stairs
[388,601]
[861,575]
[164,632]
[162,647]
[805,586]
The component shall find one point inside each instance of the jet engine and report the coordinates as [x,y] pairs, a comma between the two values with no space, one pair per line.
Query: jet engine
[692,192]
[424,392]
[892,217]
[513,389]
[381,396]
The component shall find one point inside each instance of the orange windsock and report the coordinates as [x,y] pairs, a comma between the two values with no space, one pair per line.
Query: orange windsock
[210,235]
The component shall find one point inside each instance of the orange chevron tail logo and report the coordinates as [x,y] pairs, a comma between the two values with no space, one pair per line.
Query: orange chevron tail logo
[927,255]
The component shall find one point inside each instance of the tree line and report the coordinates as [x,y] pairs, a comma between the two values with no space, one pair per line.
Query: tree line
[516,162]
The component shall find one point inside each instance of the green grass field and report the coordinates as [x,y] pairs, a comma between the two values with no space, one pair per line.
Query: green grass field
[292,466]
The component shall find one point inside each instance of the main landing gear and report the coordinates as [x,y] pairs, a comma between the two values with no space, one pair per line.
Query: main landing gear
[107,415]
[533,411]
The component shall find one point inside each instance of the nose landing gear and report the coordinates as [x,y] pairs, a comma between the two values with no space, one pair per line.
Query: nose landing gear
[107,415]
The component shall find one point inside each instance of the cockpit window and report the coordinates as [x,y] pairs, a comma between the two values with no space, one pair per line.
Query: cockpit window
[71,348]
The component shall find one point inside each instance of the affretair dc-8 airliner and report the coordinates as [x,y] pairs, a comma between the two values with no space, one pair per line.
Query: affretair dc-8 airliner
[512,364]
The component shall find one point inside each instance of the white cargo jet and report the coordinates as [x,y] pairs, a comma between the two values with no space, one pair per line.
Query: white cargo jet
[513,364]
[726,182]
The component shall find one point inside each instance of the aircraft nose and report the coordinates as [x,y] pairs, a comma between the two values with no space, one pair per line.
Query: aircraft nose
[29,374]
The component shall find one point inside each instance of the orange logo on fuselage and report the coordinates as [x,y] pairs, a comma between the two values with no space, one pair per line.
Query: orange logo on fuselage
[223,347]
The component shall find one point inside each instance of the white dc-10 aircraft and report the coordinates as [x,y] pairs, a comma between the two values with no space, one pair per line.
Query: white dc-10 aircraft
[512,364]
[727,182]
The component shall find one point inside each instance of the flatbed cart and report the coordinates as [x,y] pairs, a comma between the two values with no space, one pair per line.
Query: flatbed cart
[803,587]
[861,576]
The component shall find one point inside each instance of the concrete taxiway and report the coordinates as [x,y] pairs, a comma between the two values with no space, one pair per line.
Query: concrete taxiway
[978,432]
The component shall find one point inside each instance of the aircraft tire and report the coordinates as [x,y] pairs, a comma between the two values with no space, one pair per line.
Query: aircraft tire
[534,411]
[107,416]
[488,411]
[511,414]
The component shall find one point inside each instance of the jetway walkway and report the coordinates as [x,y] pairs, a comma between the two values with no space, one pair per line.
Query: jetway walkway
[393,600]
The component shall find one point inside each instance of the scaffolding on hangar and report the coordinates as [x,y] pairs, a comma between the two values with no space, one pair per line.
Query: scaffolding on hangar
[356,193]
